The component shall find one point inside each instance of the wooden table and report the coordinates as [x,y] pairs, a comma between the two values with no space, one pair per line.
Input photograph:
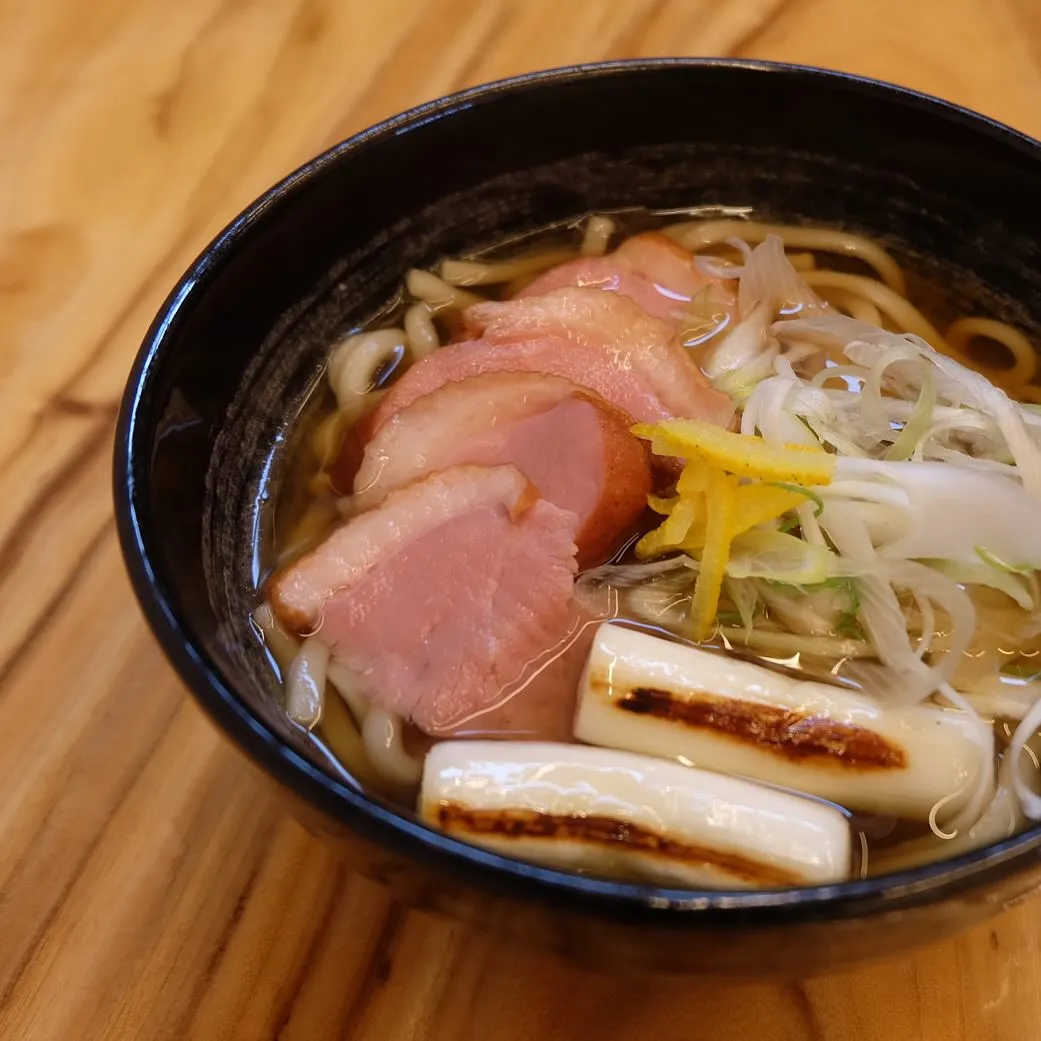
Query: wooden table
[149,887]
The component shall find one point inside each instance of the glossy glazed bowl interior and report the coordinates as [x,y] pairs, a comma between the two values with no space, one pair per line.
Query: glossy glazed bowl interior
[241,340]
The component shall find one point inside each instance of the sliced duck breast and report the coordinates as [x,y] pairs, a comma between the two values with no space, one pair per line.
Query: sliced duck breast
[650,269]
[598,340]
[446,599]
[571,444]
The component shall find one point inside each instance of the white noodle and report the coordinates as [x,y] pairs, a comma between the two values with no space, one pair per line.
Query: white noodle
[356,362]
[492,272]
[597,236]
[344,679]
[305,684]
[382,734]
[420,330]
[281,645]
[439,294]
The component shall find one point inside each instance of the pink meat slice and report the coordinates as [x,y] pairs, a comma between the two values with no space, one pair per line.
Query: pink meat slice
[598,340]
[650,269]
[570,443]
[541,706]
[635,343]
[444,598]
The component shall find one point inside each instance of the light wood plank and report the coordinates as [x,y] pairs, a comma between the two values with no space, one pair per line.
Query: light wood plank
[149,886]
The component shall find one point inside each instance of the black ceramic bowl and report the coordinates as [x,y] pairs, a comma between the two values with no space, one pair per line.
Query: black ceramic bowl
[241,339]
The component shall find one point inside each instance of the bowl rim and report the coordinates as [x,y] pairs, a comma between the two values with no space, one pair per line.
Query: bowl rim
[630,901]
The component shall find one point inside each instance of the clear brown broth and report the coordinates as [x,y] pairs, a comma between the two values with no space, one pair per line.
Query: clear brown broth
[305,510]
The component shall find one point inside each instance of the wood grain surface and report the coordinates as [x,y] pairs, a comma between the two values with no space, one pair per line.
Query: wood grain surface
[149,887]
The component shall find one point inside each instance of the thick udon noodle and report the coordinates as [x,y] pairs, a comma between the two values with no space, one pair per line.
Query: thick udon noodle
[369,743]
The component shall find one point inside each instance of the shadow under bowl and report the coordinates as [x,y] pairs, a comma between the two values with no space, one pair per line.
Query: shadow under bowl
[237,347]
